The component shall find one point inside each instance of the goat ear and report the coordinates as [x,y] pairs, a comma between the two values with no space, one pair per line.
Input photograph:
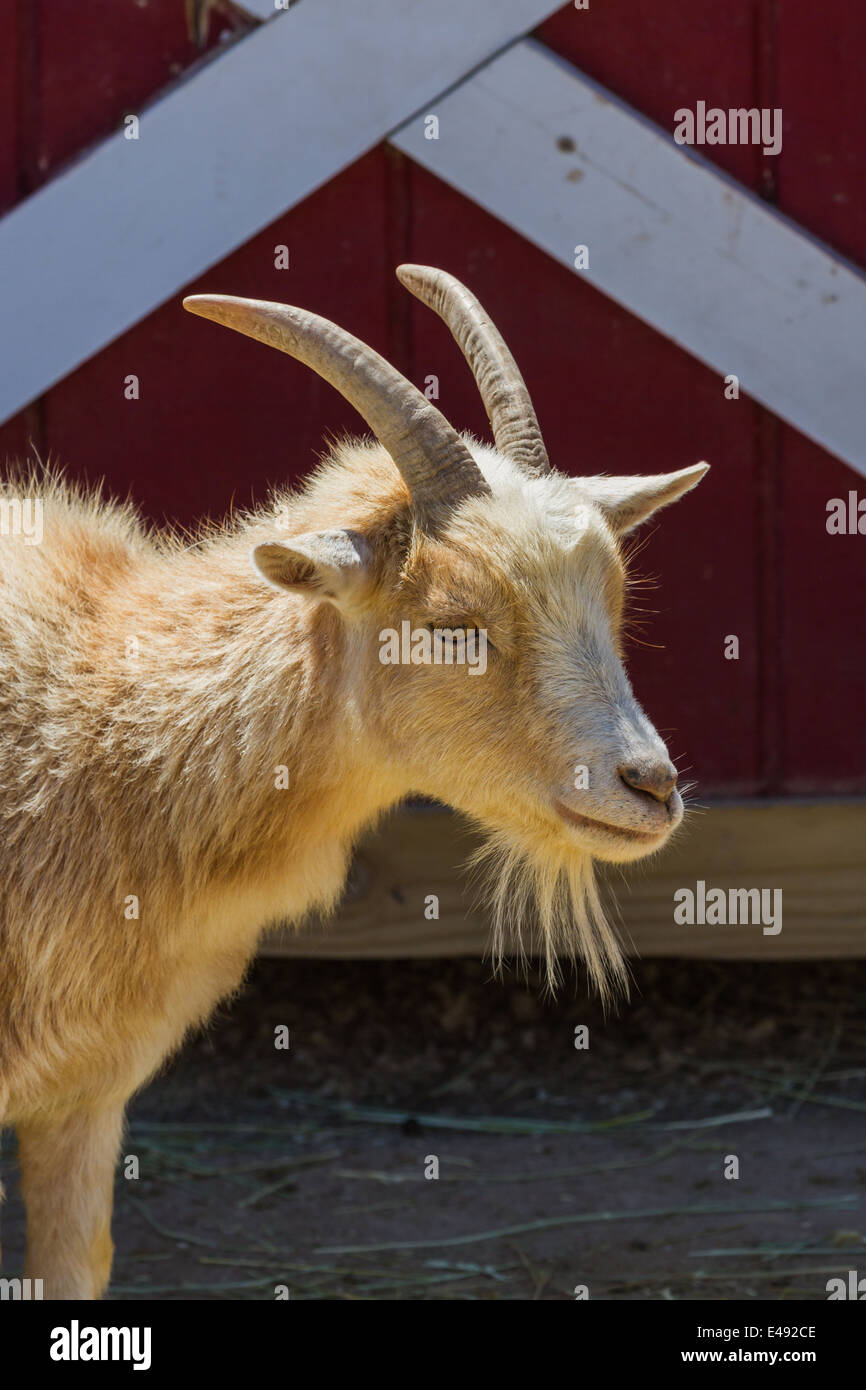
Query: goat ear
[626,502]
[331,565]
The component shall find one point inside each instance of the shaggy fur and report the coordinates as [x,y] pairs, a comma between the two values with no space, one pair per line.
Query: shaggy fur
[151,688]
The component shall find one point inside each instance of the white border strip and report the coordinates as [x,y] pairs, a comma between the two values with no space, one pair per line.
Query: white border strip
[675,242]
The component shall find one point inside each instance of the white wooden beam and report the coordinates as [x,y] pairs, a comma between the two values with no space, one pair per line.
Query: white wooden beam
[227,151]
[677,243]
[263,9]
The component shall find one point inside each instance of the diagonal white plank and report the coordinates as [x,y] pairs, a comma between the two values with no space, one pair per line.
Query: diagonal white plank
[677,243]
[218,158]
[263,9]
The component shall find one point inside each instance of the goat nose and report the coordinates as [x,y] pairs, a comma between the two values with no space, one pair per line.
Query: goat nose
[656,779]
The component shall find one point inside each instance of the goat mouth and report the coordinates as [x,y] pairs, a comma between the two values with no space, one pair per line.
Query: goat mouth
[618,832]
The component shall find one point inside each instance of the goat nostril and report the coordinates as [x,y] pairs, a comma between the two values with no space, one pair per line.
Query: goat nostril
[657,780]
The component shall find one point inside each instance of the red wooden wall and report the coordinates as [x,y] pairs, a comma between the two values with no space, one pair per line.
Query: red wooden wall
[219,417]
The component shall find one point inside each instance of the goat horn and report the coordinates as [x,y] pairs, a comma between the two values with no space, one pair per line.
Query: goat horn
[435,464]
[497,375]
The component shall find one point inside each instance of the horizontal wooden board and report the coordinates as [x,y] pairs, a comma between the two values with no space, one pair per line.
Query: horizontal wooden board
[811,850]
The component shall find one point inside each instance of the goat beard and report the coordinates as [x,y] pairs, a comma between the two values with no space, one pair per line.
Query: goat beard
[536,883]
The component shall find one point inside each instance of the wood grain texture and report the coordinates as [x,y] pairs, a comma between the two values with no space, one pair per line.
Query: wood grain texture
[813,851]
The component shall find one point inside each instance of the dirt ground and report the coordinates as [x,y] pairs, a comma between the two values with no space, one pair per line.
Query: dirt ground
[558,1167]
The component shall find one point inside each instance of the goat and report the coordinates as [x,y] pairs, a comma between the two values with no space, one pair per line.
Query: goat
[191,744]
